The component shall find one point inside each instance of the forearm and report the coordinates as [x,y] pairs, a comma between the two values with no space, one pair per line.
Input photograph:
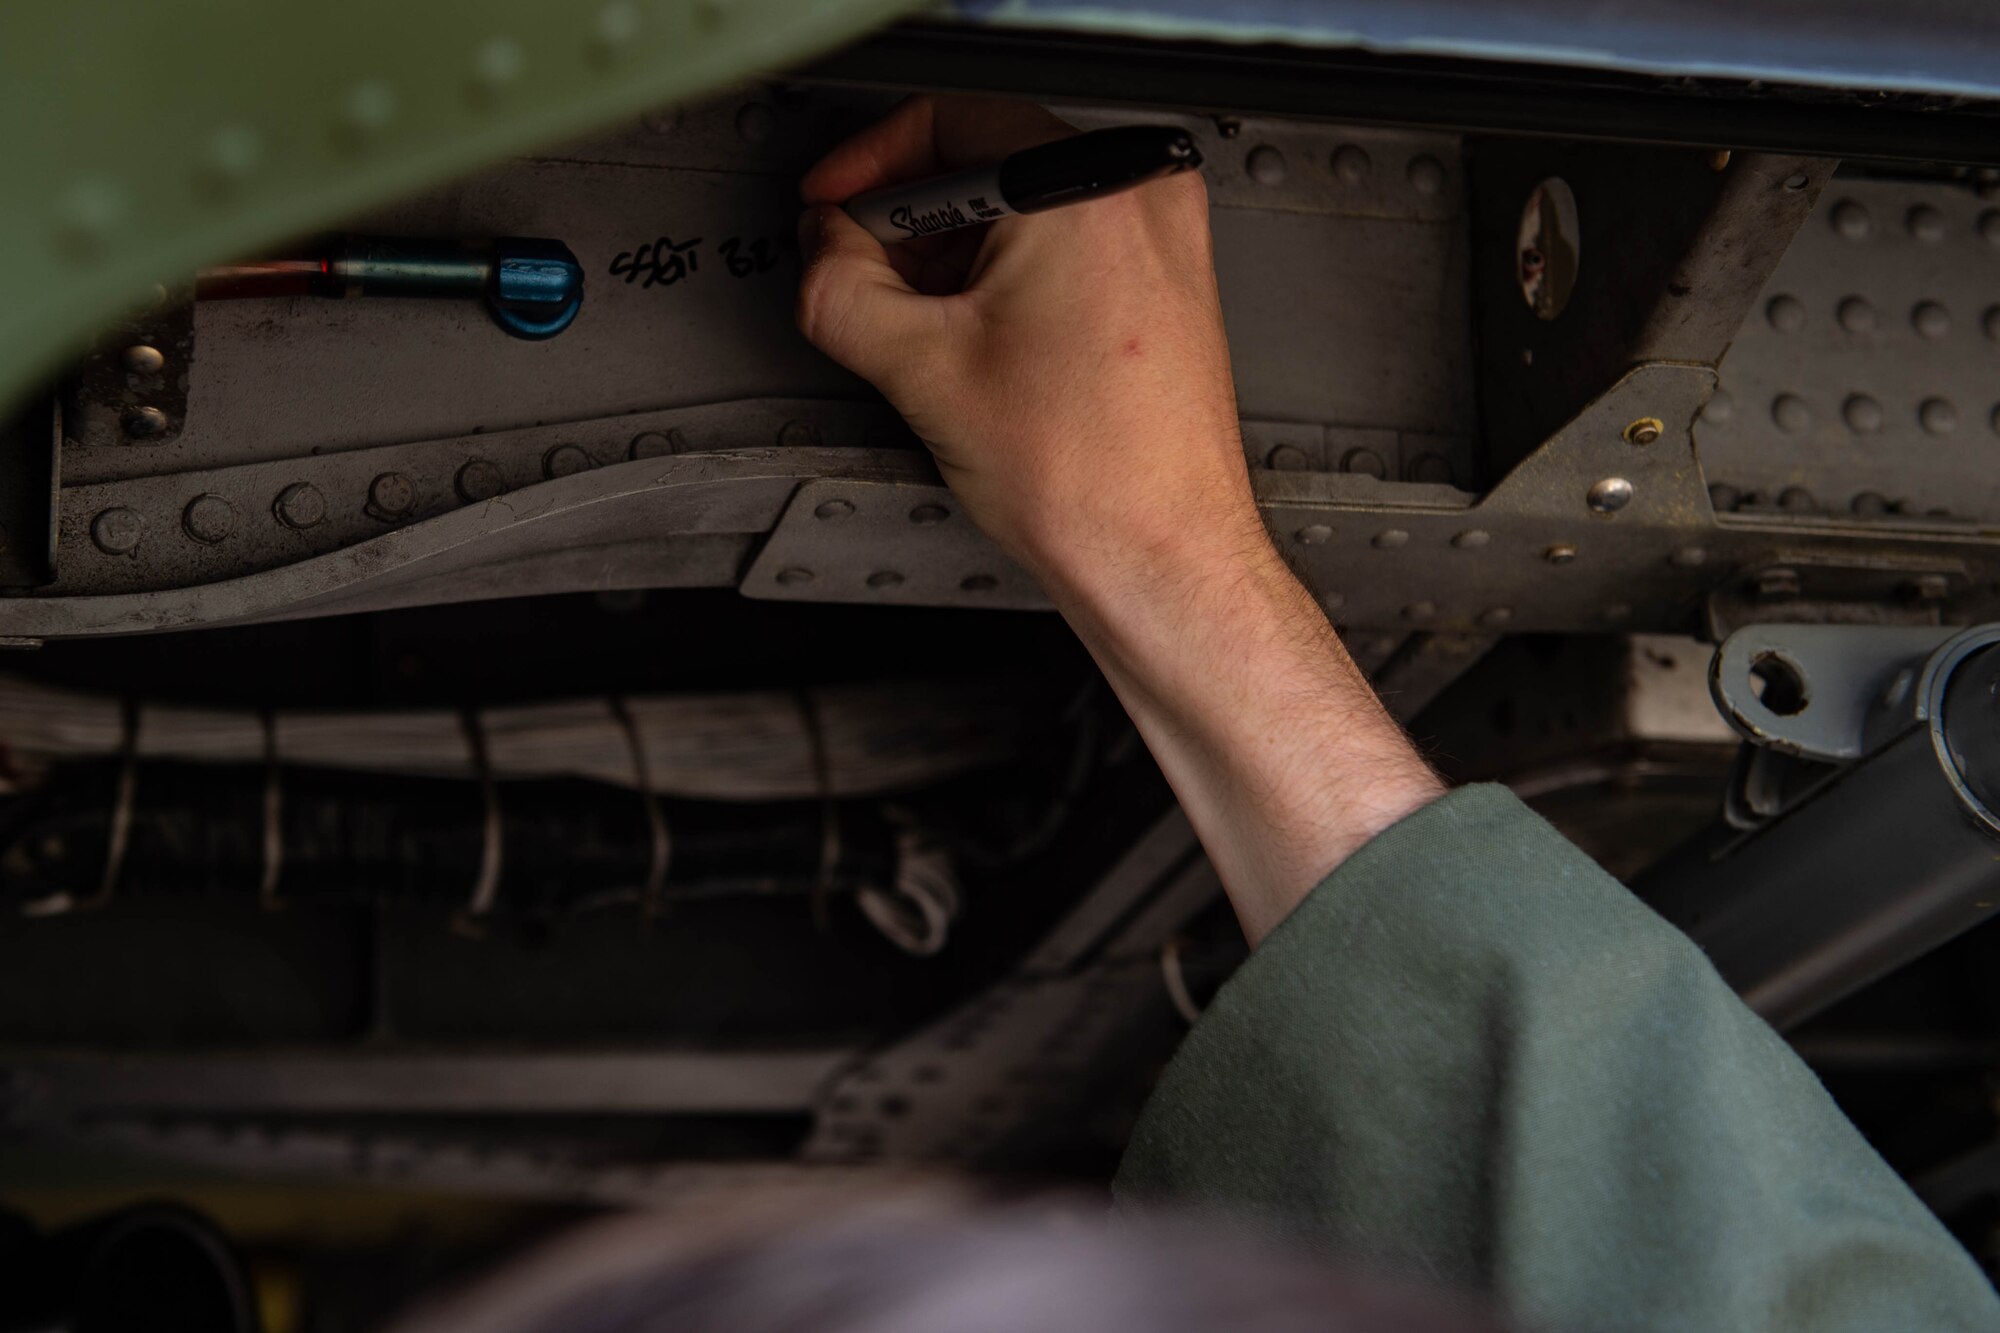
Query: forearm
[1278,750]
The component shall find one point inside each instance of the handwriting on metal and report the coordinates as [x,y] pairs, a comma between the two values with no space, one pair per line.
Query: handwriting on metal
[664,261]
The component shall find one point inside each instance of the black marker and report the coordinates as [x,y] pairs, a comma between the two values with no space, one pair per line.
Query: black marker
[1067,171]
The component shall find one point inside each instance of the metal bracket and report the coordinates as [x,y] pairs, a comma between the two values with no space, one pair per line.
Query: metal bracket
[889,543]
[1817,691]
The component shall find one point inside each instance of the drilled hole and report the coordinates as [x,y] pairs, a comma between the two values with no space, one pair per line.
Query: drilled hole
[1547,247]
[1778,684]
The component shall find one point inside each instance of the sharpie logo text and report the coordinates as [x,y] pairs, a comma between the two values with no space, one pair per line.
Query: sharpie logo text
[912,223]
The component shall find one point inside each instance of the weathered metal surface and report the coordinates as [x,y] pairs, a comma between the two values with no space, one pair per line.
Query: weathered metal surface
[1837,679]
[1866,380]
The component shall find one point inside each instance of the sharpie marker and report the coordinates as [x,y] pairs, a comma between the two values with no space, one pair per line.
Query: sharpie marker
[1067,171]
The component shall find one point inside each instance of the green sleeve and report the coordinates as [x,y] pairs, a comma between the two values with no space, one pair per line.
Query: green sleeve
[1473,1058]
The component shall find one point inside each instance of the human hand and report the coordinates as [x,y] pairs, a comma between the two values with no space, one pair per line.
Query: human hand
[1068,369]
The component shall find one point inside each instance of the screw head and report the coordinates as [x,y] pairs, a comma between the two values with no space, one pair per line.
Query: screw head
[1645,430]
[144,422]
[116,531]
[1561,553]
[143,360]
[1610,495]
[479,480]
[300,505]
[208,519]
[392,494]
[566,460]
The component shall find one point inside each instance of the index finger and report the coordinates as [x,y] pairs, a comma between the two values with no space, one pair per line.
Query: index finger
[925,136]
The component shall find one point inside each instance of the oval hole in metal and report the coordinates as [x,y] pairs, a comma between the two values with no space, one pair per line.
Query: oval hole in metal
[1547,248]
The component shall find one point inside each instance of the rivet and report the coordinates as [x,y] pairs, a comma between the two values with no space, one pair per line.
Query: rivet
[1862,414]
[1722,497]
[300,505]
[1938,416]
[1314,534]
[1689,557]
[1870,504]
[885,578]
[1790,413]
[496,64]
[143,360]
[794,576]
[1617,611]
[654,444]
[798,435]
[117,531]
[90,213]
[233,155]
[566,460]
[924,515]
[756,122]
[1390,538]
[367,109]
[1851,220]
[1287,458]
[208,519]
[1609,495]
[1426,174]
[1925,223]
[1364,461]
[1351,163]
[1432,469]
[1645,430]
[1856,315]
[1560,554]
[1472,539]
[143,422]
[979,583]
[1930,319]
[835,508]
[1266,165]
[1797,499]
[1493,617]
[1719,408]
[1787,314]
[615,27]
[392,494]
[1420,611]
[1798,180]
[478,480]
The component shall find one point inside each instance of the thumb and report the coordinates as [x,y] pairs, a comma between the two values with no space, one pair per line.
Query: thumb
[853,305]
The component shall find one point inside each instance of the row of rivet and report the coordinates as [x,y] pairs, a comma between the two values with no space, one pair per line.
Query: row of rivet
[1857,315]
[1862,413]
[1350,164]
[92,211]
[1851,218]
[923,515]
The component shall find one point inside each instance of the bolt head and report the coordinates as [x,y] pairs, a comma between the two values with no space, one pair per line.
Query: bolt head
[117,531]
[145,422]
[300,505]
[1610,495]
[392,494]
[1646,430]
[208,519]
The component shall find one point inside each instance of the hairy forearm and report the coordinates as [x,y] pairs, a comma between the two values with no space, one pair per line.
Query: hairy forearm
[1278,750]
